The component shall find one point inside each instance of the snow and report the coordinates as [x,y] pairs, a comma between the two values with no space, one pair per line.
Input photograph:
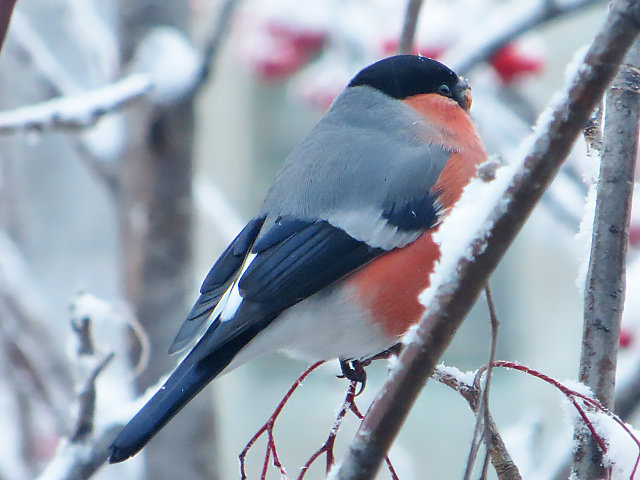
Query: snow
[583,237]
[590,173]
[468,220]
[107,139]
[76,111]
[174,66]
[466,378]
[622,448]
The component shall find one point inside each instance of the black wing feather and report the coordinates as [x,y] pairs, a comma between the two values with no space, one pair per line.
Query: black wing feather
[219,278]
[314,256]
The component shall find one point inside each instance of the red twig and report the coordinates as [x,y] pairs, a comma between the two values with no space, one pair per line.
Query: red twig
[572,395]
[349,404]
[327,447]
[268,428]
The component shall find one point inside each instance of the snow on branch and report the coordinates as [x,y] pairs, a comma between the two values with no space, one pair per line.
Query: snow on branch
[76,111]
[466,263]
[605,284]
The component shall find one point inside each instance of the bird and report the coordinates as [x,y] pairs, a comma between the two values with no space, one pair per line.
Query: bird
[333,263]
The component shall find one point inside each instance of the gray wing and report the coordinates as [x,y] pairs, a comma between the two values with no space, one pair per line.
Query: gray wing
[366,169]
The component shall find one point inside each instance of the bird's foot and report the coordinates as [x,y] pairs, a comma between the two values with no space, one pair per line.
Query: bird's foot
[354,370]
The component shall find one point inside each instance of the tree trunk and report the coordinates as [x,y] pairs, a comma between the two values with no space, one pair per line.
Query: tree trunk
[156,235]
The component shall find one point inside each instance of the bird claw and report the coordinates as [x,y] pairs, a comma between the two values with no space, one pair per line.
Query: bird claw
[354,371]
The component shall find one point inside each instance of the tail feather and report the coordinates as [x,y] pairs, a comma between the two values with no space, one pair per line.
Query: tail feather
[192,375]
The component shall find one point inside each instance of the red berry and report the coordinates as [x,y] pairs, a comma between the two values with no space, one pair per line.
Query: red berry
[626,338]
[510,62]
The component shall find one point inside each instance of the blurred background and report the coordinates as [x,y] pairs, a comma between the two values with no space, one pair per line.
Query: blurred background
[120,209]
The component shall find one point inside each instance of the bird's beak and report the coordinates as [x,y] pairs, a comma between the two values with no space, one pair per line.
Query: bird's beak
[463,94]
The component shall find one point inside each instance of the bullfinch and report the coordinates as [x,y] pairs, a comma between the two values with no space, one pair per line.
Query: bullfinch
[333,264]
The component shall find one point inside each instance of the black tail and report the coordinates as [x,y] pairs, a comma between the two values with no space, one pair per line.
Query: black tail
[192,375]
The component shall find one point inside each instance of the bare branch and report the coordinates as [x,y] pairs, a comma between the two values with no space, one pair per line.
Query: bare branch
[605,286]
[482,412]
[466,56]
[405,45]
[6,9]
[212,47]
[52,73]
[76,111]
[455,296]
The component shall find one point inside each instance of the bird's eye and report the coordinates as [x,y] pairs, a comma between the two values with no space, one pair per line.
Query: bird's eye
[444,90]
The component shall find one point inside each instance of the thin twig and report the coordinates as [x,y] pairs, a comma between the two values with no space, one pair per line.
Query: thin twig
[268,429]
[407,36]
[605,285]
[501,460]
[496,450]
[483,413]
[327,446]
[465,57]
[454,298]
[213,45]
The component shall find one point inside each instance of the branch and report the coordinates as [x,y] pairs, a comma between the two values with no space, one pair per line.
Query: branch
[80,460]
[52,73]
[504,465]
[605,285]
[212,47]
[76,111]
[465,277]
[485,428]
[6,10]
[87,400]
[460,58]
[405,45]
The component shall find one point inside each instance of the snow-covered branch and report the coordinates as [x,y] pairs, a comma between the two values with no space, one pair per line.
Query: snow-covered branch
[76,111]
[605,283]
[467,385]
[465,267]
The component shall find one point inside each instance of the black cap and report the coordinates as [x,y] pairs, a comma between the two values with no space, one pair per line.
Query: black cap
[404,76]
